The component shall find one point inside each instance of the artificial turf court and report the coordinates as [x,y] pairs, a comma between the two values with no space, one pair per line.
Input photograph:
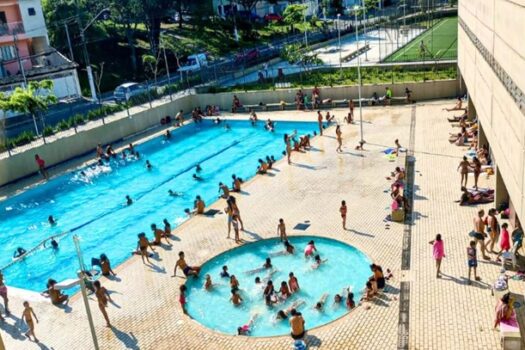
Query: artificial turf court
[440,43]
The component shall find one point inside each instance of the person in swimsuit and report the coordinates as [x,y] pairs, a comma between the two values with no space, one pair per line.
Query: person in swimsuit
[159,234]
[186,269]
[472,261]
[199,205]
[343,210]
[27,316]
[318,262]
[3,294]
[142,247]
[262,168]
[247,328]
[55,295]
[208,284]
[235,224]
[464,165]
[350,303]
[225,191]
[41,167]
[148,165]
[290,249]
[477,171]
[320,122]
[236,299]
[287,140]
[224,272]
[493,229]
[105,266]
[377,279]
[479,233]
[281,230]
[129,201]
[182,297]
[236,184]
[102,297]
[234,282]
[293,283]
[284,290]
[234,209]
[296,325]
[309,249]
[339,137]
[51,220]
[167,228]
[283,314]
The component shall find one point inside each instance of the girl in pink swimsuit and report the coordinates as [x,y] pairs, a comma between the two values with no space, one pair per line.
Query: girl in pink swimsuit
[438,251]
[309,249]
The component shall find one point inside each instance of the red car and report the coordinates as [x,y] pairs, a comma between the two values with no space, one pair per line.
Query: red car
[273,17]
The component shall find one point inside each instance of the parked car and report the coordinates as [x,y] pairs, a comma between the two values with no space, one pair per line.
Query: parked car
[194,63]
[273,17]
[126,91]
[246,56]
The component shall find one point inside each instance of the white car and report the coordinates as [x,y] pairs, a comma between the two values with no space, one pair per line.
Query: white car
[125,91]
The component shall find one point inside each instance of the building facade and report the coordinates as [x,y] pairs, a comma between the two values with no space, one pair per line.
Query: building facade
[491,59]
[25,53]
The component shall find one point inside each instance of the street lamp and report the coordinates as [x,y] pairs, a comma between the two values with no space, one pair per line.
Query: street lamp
[105,14]
[356,8]
[339,38]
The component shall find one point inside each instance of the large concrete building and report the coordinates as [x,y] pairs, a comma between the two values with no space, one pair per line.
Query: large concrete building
[491,59]
[25,53]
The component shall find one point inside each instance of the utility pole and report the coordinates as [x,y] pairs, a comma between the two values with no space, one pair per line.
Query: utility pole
[69,43]
[86,55]
[20,63]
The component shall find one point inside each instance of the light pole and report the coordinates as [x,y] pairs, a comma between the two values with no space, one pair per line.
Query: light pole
[364,26]
[359,77]
[339,39]
[235,33]
[86,55]
[84,293]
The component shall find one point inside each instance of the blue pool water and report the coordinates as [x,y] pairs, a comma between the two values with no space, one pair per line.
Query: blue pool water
[93,207]
[346,267]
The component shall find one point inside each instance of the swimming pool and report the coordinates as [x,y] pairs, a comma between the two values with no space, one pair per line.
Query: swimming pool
[346,267]
[93,206]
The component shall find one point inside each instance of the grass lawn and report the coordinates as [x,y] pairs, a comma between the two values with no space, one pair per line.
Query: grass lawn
[440,43]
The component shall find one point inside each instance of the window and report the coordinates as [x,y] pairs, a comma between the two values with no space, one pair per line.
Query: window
[3,19]
[31,11]
[7,52]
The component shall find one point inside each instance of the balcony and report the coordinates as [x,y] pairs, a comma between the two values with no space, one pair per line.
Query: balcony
[10,29]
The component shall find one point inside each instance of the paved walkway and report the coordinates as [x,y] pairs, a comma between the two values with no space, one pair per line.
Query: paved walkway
[444,314]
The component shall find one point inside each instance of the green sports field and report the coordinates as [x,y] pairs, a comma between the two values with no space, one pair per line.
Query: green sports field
[439,43]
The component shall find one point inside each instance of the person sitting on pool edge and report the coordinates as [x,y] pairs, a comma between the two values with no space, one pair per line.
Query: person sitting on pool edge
[297,325]
[236,184]
[262,168]
[105,266]
[159,234]
[55,295]
[186,269]
[199,205]
[224,189]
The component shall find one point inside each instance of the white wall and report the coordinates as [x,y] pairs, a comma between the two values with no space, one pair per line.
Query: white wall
[34,26]
[66,86]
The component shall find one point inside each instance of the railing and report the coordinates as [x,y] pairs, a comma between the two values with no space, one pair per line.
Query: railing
[11,28]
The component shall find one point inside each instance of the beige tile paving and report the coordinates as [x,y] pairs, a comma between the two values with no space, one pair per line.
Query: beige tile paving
[148,315]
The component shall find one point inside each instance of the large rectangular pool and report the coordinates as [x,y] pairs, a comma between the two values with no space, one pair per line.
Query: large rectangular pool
[93,205]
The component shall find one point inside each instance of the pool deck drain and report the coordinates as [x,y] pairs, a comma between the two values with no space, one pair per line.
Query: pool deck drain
[404,295]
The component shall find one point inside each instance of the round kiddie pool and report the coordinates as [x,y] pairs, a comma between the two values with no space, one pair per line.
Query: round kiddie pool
[345,267]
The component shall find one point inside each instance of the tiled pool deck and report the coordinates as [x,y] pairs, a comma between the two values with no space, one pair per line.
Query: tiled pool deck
[443,313]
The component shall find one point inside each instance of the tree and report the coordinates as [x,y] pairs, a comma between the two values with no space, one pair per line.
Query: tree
[128,13]
[337,5]
[179,48]
[248,5]
[294,14]
[300,55]
[154,11]
[151,65]
[33,100]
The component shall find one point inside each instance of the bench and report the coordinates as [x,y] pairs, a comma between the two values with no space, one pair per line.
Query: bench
[510,335]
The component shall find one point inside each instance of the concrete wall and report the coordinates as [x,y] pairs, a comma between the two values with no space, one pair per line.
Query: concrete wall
[35,26]
[420,91]
[499,25]
[63,149]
